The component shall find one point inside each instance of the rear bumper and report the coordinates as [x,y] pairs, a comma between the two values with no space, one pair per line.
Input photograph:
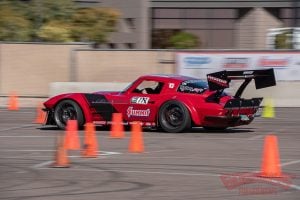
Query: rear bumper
[227,121]
[236,112]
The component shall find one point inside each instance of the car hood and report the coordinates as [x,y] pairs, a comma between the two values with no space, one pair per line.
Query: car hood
[74,96]
[107,92]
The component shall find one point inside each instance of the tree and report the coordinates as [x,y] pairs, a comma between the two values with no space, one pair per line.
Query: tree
[13,25]
[94,24]
[184,40]
[55,21]
[46,14]
[55,31]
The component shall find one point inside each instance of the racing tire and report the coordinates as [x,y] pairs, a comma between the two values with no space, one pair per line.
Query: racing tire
[174,117]
[68,110]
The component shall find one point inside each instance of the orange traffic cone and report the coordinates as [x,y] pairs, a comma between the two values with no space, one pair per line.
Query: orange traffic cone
[136,144]
[90,142]
[72,138]
[13,103]
[117,128]
[61,157]
[40,114]
[271,162]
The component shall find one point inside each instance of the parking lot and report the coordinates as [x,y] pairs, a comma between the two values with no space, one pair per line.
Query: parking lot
[173,166]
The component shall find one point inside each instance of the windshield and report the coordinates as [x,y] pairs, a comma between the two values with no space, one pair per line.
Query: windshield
[193,86]
[128,86]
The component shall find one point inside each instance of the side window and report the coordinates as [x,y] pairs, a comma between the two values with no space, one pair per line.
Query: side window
[149,87]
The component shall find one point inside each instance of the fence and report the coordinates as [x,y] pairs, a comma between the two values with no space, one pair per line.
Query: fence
[29,69]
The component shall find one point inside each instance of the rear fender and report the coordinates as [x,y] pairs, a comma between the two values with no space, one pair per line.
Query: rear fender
[188,104]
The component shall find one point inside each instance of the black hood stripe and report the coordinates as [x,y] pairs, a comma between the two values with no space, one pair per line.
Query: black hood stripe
[102,106]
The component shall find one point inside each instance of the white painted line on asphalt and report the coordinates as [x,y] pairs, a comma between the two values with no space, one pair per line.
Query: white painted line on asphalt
[141,172]
[25,150]
[176,173]
[102,154]
[80,136]
[145,137]
[51,150]
[201,139]
[290,163]
[256,137]
[24,157]
[269,133]
[288,185]
[158,151]
[18,127]
[19,111]
[51,156]
[109,153]
[27,136]
[43,164]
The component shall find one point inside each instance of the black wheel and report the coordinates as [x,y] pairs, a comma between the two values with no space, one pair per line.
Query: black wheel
[209,128]
[68,110]
[174,117]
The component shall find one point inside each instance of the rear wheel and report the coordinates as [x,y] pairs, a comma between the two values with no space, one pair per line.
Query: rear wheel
[68,110]
[174,117]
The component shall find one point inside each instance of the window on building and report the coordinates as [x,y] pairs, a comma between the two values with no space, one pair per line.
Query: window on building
[168,13]
[130,22]
[112,45]
[207,24]
[130,45]
[168,23]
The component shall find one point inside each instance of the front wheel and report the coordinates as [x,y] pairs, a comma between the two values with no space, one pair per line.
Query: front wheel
[174,117]
[68,110]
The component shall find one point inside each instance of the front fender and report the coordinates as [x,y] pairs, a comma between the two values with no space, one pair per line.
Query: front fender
[76,97]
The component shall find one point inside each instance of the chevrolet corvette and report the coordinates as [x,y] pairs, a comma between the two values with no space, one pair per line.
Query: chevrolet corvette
[172,103]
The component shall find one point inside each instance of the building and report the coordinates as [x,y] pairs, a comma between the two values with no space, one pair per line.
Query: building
[133,28]
[225,24]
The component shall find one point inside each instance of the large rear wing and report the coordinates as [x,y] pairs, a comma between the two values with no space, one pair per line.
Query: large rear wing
[262,78]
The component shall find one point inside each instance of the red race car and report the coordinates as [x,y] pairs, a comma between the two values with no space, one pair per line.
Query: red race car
[173,103]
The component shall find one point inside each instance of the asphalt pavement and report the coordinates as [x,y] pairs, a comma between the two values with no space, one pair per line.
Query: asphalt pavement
[193,165]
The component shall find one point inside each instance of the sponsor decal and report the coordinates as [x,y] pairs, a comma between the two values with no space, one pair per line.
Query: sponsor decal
[273,62]
[171,85]
[217,81]
[185,88]
[149,124]
[144,123]
[137,113]
[236,62]
[196,61]
[248,72]
[140,100]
